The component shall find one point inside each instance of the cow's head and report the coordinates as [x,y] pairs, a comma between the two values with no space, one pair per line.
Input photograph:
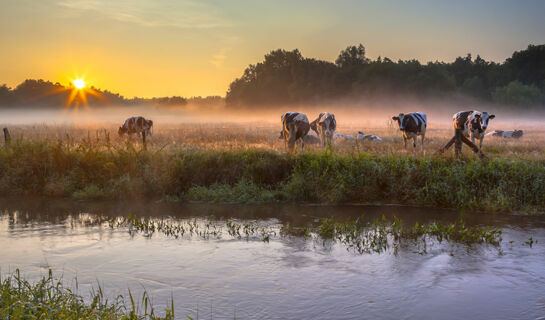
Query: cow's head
[314,126]
[327,122]
[400,121]
[122,131]
[481,120]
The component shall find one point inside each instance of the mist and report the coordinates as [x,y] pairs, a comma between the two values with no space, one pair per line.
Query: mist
[350,113]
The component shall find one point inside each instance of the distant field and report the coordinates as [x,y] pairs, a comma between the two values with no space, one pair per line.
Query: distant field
[241,136]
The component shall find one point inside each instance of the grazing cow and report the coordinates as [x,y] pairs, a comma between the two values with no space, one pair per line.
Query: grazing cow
[324,126]
[515,134]
[295,127]
[138,125]
[472,123]
[412,125]
[363,136]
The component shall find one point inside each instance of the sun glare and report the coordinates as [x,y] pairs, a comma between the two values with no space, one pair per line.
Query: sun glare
[79,83]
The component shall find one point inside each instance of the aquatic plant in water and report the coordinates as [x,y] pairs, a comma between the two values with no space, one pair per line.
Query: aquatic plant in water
[359,235]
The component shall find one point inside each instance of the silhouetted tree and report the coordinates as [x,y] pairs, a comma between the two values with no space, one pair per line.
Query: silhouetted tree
[287,77]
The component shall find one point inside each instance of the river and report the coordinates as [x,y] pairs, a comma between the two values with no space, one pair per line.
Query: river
[286,278]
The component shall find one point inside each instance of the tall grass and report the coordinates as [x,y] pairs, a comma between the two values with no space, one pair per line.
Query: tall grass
[49,299]
[96,168]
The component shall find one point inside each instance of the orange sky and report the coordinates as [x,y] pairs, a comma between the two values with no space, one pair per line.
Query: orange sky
[187,47]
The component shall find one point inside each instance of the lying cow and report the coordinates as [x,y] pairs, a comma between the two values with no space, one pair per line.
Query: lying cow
[324,126]
[412,125]
[364,137]
[138,125]
[472,123]
[343,136]
[515,134]
[295,127]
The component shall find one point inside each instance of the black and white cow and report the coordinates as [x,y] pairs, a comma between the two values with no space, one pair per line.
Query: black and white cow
[138,125]
[473,124]
[412,125]
[295,127]
[342,136]
[515,134]
[362,136]
[325,126]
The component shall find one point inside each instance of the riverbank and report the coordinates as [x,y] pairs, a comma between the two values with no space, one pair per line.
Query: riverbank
[264,176]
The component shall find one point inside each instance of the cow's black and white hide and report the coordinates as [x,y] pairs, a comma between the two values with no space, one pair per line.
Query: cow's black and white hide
[367,137]
[311,139]
[325,126]
[138,125]
[473,124]
[514,134]
[342,136]
[412,125]
[295,127]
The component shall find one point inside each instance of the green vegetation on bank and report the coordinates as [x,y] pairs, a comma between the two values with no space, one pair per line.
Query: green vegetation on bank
[93,172]
[49,299]
[360,235]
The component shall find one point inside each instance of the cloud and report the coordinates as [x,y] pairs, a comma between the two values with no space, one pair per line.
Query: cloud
[220,57]
[184,14]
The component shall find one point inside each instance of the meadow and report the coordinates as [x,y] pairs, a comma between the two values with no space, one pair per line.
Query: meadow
[247,163]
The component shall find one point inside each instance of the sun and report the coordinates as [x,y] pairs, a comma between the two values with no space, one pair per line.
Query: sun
[79,83]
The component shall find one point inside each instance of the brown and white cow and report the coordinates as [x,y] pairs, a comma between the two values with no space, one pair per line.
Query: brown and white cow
[325,126]
[295,127]
[138,125]
[412,125]
[472,123]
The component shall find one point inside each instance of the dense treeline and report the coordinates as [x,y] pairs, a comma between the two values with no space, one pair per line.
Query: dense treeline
[48,94]
[288,77]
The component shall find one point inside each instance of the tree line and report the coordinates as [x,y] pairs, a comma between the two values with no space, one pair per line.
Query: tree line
[41,93]
[286,77]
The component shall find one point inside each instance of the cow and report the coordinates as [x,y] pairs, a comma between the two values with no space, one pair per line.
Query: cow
[343,136]
[138,125]
[473,124]
[295,127]
[324,126]
[412,125]
[364,137]
[515,134]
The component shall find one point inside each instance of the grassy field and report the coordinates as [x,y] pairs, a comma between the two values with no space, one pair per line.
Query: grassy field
[245,163]
[242,136]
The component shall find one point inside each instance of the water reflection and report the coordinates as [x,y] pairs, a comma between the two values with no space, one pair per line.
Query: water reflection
[287,278]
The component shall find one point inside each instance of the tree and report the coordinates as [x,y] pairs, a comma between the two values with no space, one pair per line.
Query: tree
[352,56]
[518,94]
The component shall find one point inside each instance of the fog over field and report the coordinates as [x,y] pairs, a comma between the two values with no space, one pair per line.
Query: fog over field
[369,114]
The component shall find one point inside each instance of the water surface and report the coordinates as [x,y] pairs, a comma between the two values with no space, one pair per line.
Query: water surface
[286,278]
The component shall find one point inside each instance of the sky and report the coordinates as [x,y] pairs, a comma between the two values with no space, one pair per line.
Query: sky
[151,48]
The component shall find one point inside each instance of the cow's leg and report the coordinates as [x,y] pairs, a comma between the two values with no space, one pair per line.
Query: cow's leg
[324,139]
[481,144]
[422,145]
[415,139]
[405,141]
